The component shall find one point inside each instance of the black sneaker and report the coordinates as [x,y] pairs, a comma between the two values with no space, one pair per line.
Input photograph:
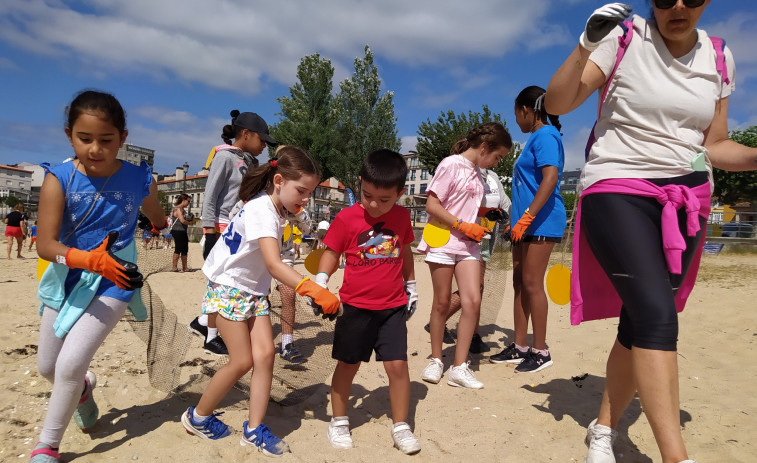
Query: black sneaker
[447,339]
[197,329]
[216,346]
[534,362]
[511,354]
[292,355]
[477,345]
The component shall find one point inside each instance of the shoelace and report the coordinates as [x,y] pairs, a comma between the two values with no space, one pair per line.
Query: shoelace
[341,431]
[215,425]
[404,436]
[601,441]
[468,372]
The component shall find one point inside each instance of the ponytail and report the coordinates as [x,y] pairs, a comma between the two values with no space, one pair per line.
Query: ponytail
[230,131]
[290,162]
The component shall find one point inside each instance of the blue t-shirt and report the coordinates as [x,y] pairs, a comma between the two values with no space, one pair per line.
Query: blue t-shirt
[34,231]
[117,200]
[544,148]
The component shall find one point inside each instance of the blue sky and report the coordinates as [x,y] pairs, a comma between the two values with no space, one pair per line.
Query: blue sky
[180,66]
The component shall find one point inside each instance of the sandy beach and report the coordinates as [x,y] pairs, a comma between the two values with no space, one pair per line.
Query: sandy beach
[538,417]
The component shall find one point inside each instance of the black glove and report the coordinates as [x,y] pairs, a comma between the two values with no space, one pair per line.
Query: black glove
[210,241]
[601,22]
[497,215]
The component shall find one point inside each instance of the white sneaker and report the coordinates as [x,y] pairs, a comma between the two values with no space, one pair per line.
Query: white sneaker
[462,376]
[404,439]
[599,439]
[433,371]
[339,433]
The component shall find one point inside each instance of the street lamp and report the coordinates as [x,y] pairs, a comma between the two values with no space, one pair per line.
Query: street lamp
[185,168]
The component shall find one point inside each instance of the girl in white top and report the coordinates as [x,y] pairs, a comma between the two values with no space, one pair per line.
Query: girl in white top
[239,269]
[664,122]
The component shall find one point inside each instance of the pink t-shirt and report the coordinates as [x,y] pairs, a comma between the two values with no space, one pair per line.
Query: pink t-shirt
[459,185]
[372,247]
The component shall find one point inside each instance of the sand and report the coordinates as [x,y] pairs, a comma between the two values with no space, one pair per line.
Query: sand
[536,417]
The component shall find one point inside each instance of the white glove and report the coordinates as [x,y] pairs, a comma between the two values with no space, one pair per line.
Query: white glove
[322,279]
[601,22]
[412,298]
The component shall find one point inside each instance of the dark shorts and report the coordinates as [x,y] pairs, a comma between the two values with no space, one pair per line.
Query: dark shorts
[360,332]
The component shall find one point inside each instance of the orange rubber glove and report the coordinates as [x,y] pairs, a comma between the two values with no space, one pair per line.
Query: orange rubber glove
[473,231]
[321,296]
[103,262]
[519,229]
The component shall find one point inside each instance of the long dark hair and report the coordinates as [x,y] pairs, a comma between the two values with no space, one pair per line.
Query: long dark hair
[528,97]
[104,103]
[180,199]
[494,134]
[291,162]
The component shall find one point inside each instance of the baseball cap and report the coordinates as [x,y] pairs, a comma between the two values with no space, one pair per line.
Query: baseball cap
[254,123]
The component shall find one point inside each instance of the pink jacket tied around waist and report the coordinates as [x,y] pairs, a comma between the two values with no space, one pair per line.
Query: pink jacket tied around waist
[592,295]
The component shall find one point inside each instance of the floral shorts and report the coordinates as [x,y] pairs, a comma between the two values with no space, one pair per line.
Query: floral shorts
[233,304]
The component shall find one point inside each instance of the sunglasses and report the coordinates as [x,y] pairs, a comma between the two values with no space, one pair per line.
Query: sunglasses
[667,4]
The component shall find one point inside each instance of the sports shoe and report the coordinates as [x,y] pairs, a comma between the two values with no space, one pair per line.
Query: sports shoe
[510,354]
[292,355]
[599,439]
[477,345]
[404,439]
[447,339]
[339,433]
[263,439]
[43,453]
[433,371]
[462,376]
[534,362]
[209,428]
[86,413]
[216,346]
[196,328]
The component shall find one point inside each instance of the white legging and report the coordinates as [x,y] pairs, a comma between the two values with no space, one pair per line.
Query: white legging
[64,362]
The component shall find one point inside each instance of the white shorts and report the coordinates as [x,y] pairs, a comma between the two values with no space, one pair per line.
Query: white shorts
[433,256]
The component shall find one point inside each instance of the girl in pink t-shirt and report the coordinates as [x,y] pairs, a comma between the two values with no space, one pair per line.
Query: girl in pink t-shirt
[454,197]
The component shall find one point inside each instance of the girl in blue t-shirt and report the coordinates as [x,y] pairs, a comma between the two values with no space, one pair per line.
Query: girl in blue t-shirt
[88,212]
[537,201]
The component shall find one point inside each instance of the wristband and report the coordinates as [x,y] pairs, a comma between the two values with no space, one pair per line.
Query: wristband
[457,223]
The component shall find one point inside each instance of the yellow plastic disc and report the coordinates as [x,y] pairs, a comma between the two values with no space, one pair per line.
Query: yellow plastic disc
[287,233]
[558,284]
[41,267]
[436,234]
[312,261]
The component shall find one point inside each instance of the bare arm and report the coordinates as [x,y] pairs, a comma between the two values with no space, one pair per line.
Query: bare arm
[408,264]
[546,187]
[51,205]
[329,261]
[435,209]
[179,214]
[724,153]
[573,82]
[151,207]
[269,247]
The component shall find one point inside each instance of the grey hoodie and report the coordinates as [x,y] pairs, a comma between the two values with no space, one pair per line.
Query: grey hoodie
[222,188]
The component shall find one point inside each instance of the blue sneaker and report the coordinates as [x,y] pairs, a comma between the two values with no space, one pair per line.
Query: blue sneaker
[262,438]
[209,428]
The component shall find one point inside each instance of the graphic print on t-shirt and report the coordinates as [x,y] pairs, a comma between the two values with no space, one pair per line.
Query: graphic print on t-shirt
[378,243]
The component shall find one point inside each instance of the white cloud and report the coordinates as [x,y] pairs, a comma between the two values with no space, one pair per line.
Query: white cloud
[408,144]
[237,45]
[8,65]
[740,36]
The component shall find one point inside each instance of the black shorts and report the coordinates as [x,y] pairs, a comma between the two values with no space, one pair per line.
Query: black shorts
[359,332]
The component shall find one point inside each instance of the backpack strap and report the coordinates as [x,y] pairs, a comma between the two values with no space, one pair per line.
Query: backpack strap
[719,45]
[623,41]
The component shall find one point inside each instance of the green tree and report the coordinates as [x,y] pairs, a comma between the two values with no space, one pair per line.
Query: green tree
[11,201]
[306,121]
[733,187]
[435,139]
[363,121]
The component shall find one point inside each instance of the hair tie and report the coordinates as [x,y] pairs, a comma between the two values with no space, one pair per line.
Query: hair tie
[539,104]
[272,162]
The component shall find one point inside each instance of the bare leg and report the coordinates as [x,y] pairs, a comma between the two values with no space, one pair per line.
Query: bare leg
[10,246]
[454,301]
[341,385]
[261,337]
[20,242]
[175,262]
[468,276]
[521,311]
[441,279]
[534,262]
[399,389]
[619,386]
[184,266]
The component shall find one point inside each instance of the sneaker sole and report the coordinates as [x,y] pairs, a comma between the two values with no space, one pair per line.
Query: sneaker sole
[195,332]
[411,451]
[431,380]
[511,361]
[543,366]
[454,384]
[214,353]
[191,429]
[265,452]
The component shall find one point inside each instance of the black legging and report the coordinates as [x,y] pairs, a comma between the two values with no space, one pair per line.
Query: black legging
[181,242]
[624,233]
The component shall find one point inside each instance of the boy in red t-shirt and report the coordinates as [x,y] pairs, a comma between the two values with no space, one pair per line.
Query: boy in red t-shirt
[378,293]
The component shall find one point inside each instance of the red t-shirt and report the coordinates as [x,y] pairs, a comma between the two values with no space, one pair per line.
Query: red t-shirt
[373,250]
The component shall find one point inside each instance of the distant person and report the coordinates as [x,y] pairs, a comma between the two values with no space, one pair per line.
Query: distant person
[454,198]
[323,227]
[239,270]
[227,167]
[378,299]
[645,198]
[88,212]
[33,235]
[15,228]
[179,232]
